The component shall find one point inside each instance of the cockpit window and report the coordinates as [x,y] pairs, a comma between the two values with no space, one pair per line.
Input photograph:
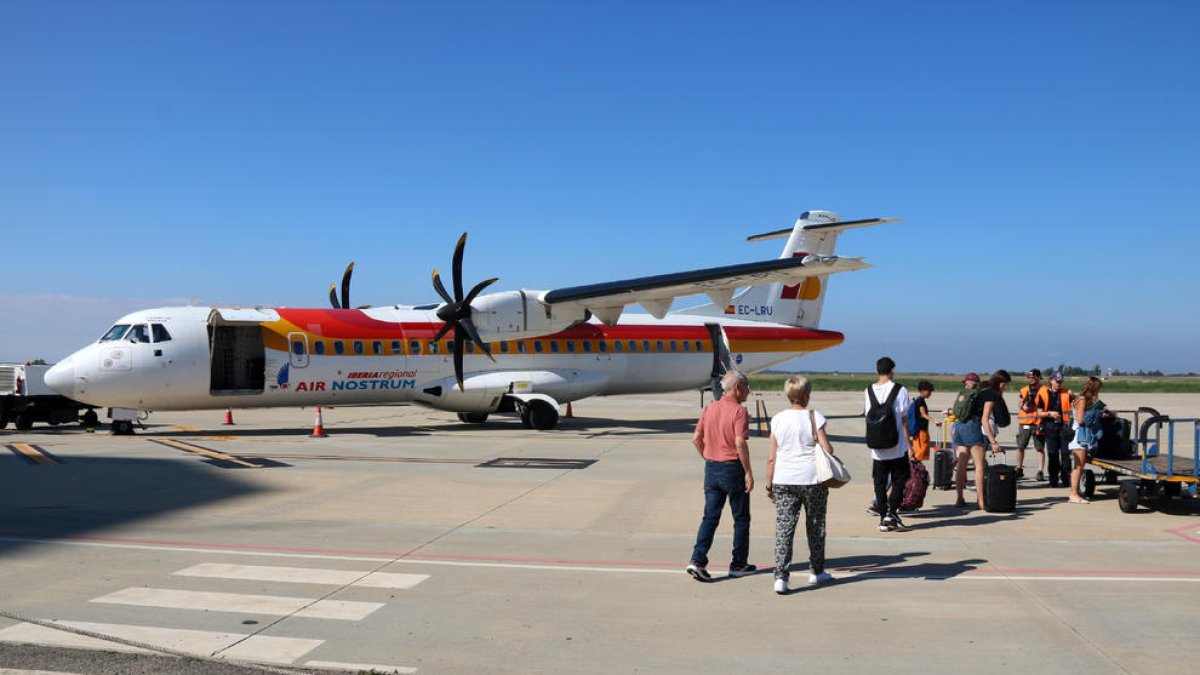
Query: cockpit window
[116,332]
[160,333]
[140,333]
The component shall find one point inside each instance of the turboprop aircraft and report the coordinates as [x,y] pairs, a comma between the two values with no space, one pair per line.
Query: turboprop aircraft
[524,351]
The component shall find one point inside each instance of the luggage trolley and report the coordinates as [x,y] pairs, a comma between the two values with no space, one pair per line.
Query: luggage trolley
[1152,473]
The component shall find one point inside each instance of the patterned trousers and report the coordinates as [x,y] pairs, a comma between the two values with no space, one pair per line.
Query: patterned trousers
[788,501]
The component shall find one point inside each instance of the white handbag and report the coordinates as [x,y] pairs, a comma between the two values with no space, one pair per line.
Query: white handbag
[831,472]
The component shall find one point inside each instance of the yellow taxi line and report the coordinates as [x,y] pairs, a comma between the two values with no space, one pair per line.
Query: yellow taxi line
[212,454]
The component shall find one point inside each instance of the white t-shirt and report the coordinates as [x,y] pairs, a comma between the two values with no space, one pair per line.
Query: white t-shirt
[900,405]
[797,447]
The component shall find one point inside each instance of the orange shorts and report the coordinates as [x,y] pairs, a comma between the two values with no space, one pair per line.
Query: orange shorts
[920,445]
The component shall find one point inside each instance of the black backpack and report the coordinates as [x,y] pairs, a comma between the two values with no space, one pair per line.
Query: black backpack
[881,420]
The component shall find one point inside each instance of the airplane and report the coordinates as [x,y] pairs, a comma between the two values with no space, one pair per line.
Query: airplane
[526,352]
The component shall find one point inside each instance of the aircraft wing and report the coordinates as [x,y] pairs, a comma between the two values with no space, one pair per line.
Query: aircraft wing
[656,293]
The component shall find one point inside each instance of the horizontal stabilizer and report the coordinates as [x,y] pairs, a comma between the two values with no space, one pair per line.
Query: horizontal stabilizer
[823,227]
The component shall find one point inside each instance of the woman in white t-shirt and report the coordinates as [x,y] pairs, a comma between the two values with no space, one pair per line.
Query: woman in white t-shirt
[792,482]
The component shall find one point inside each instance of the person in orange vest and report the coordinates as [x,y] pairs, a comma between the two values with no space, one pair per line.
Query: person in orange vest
[1028,426]
[1054,411]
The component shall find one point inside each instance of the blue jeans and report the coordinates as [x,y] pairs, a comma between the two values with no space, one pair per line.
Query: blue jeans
[724,480]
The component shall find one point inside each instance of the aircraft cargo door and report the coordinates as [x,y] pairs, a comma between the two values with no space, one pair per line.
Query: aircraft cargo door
[237,354]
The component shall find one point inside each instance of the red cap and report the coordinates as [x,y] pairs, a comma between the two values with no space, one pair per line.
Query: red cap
[971,377]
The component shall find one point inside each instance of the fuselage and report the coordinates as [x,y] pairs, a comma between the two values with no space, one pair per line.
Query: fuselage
[183,358]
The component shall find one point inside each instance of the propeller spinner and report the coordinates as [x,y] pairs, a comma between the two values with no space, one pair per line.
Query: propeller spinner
[457,311]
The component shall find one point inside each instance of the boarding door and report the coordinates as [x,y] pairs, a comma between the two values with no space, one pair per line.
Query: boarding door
[298,350]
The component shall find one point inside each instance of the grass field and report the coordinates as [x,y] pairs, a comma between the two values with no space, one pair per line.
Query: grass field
[949,383]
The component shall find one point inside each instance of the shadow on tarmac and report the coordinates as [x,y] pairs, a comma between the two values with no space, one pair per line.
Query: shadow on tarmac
[84,496]
[885,566]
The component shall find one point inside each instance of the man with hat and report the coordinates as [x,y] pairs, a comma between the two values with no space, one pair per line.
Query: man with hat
[1055,415]
[1033,397]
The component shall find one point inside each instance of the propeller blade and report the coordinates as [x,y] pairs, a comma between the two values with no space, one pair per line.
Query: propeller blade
[445,329]
[346,285]
[458,358]
[333,296]
[457,269]
[441,288]
[478,287]
[474,335]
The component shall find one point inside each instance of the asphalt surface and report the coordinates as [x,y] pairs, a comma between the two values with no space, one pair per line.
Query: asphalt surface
[408,542]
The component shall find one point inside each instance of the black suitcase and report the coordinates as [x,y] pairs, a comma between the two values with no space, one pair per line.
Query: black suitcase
[1000,488]
[943,470]
[1114,442]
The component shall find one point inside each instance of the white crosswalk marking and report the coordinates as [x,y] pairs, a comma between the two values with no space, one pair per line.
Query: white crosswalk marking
[273,605]
[302,575]
[256,648]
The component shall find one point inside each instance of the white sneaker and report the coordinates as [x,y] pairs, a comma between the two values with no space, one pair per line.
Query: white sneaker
[821,578]
[781,586]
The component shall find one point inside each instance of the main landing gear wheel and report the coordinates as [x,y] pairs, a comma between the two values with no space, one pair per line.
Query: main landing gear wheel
[24,422]
[472,418]
[538,415]
[1088,487]
[1127,496]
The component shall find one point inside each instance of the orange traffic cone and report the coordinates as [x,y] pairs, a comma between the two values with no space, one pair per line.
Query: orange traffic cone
[319,426]
[569,413]
[228,416]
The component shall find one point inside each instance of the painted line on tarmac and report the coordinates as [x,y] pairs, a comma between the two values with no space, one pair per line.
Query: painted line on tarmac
[356,667]
[205,452]
[560,564]
[360,458]
[33,454]
[1189,532]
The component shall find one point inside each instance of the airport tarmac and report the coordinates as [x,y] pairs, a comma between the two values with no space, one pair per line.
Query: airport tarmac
[408,542]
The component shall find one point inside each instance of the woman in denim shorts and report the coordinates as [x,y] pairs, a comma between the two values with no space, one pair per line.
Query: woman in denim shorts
[969,439]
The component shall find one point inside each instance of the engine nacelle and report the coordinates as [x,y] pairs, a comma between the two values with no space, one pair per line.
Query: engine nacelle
[516,315]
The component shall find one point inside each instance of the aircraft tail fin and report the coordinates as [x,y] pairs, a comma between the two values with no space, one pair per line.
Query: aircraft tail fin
[815,233]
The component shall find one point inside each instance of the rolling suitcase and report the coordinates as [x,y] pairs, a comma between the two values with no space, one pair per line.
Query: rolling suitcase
[943,470]
[1000,488]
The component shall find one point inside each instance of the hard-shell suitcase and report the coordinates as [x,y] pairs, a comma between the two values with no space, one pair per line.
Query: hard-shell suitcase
[1000,488]
[916,487]
[943,470]
[1114,442]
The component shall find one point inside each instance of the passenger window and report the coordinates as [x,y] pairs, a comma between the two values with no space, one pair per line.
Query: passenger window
[318,347]
[140,333]
[554,346]
[396,347]
[571,346]
[433,347]
[298,347]
[449,346]
[537,346]
[339,347]
[521,347]
[503,347]
[645,345]
[687,346]
[414,347]
[699,346]
[674,346]
[633,345]
[603,345]
[618,346]
[160,333]
[116,332]
[377,347]
[358,347]
[470,347]
[587,345]
[658,345]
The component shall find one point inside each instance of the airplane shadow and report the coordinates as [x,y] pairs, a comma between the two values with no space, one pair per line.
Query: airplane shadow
[86,495]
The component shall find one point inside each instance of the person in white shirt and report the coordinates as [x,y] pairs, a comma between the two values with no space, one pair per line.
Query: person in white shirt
[890,463]
[792,482]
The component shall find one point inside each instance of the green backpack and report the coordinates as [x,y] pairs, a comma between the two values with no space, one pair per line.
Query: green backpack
[965,403]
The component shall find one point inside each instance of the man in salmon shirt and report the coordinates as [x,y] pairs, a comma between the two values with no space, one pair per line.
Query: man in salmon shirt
[721,439]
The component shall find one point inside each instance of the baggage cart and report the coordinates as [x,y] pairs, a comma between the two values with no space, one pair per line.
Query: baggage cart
[1157,471]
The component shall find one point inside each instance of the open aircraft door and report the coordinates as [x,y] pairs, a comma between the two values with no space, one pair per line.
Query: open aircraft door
[721,362]
[237,356]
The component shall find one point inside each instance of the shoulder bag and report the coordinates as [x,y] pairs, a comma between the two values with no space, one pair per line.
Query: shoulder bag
[830,470]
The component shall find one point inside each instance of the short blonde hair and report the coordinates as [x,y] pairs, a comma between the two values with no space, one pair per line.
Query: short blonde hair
[798,389]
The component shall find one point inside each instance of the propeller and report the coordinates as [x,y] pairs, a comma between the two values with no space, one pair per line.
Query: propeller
[457,311]
[333,298]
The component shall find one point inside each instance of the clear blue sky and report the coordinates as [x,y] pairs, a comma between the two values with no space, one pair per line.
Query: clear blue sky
[1044,155]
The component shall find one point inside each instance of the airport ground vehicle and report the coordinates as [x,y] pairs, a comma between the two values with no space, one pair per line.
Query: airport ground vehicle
[25,398]
[1155,472]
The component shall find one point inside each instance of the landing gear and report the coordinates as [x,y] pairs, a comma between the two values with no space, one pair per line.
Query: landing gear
[539,415]
[472,418]
[122,427]
[89,419]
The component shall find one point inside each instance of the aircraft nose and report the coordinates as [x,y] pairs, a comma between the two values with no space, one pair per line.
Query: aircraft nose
[61,378]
